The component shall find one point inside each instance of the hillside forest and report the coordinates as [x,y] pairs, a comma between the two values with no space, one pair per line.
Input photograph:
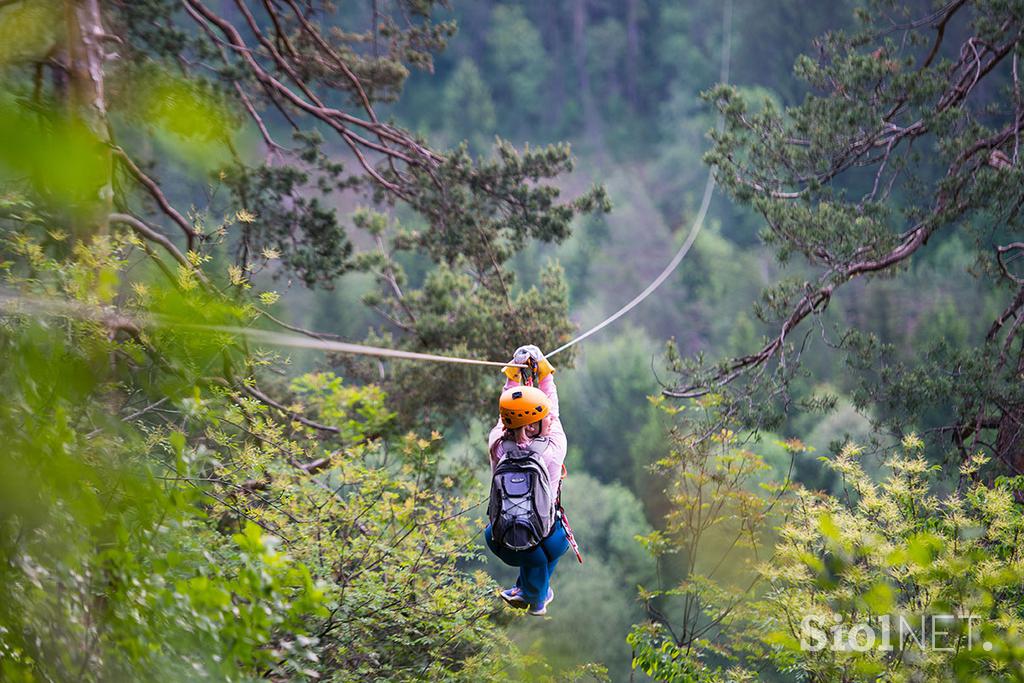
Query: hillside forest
[817,418]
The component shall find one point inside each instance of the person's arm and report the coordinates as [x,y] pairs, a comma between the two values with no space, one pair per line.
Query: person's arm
[554,455]
[547,385]
[497,431]
[558,444]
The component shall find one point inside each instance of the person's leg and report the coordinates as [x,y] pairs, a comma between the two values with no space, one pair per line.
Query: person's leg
[550,550]
[533,565]
[489,539]
[555,545]
[509,557]
[533,575]
[543,562]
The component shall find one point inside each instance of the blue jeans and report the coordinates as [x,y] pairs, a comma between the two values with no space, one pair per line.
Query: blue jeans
[535,566]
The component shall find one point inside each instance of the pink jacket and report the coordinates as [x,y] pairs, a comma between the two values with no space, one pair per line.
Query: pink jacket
[554,454]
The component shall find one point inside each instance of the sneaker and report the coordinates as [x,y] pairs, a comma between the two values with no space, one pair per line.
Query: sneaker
[543,609]
[514,597]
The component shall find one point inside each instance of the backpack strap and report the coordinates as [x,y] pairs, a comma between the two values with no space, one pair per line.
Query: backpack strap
[558,495]
[510,447]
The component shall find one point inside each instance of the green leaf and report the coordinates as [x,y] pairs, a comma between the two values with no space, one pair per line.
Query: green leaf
[880,598]
[827,527]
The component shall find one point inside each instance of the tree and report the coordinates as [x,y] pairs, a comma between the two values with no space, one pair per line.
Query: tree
[160,519]
[895,550]
[861,584]
[196,512]
[198,77]
[724,501]
[516,50]
[467,108]
[910,134]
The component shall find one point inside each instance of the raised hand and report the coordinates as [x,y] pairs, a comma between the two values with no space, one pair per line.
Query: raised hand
[526,353]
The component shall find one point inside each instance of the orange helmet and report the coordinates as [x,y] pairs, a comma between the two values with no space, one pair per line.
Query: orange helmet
[519,406]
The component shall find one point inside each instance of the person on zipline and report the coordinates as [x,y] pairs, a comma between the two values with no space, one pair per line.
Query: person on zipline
[527,448]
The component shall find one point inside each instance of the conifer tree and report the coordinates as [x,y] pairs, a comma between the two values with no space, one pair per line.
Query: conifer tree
[908,138]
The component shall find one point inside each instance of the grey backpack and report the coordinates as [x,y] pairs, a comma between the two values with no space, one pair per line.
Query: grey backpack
[522,506]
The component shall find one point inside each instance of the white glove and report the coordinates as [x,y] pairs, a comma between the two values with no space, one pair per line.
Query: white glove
[525,353]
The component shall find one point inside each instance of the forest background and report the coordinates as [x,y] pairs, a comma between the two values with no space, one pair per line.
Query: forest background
[333,531]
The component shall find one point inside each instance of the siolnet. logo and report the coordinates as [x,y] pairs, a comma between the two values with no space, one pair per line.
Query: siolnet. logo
[935,632]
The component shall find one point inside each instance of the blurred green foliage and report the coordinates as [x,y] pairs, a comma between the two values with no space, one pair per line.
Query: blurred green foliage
[187,117]
[159,520]
[59,157]
[28,30]
[881,549]
[218,504]
[111,568]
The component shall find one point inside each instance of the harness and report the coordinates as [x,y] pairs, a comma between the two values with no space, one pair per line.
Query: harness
[528,376]
[560,513]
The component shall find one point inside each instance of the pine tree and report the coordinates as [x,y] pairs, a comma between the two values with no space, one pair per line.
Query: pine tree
[909,136]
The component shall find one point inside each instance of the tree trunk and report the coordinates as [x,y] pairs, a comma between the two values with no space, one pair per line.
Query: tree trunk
[579,39]
[87,105]
[632,51]
[553,30]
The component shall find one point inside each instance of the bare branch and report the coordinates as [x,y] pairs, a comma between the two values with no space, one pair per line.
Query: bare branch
[1002,264]
[154,236]
[156,193]
[941,31]
[408,149]
[263,398]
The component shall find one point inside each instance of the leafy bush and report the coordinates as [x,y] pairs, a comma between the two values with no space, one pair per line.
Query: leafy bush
[884,563]
[161,517]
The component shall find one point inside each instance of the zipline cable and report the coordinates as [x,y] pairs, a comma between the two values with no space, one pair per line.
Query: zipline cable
[709,187]
[304,342]
[300,342]
[698,223]
[19,304]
